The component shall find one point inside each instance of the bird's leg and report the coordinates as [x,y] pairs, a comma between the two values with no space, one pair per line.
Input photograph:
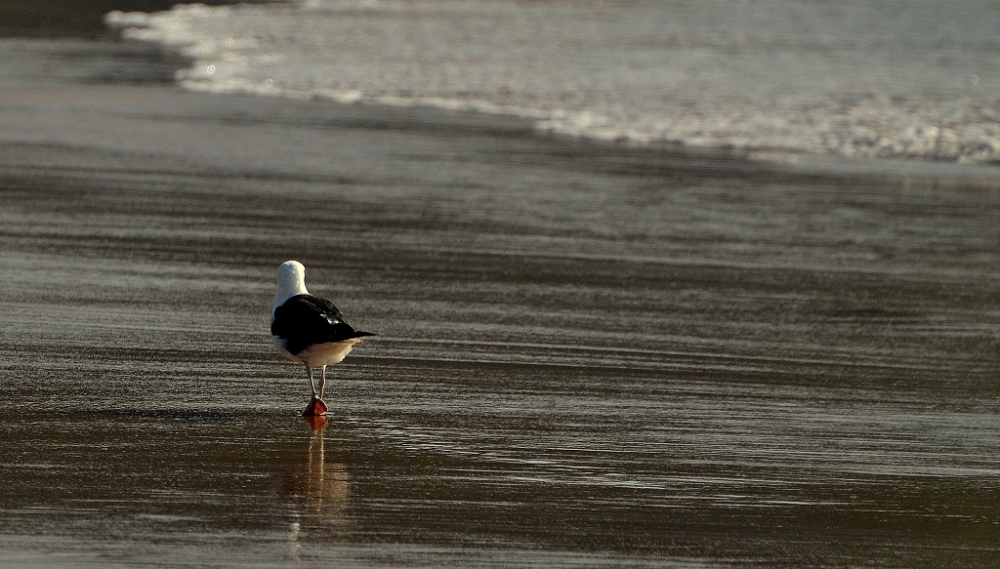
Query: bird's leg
[312,383]
[322,381]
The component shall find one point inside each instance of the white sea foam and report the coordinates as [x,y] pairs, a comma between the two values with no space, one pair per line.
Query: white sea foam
[892,79]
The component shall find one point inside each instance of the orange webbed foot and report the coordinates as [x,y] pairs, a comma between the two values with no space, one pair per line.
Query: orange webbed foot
[316,408]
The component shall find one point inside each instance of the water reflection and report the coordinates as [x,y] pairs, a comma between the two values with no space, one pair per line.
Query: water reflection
[316,491]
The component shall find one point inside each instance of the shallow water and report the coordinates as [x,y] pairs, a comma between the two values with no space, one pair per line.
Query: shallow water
[587,355]
[775,77]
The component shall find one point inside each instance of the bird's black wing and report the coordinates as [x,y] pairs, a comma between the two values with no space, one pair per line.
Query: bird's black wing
[304,320]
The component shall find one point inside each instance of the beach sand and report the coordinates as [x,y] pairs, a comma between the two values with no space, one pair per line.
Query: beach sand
[588,355]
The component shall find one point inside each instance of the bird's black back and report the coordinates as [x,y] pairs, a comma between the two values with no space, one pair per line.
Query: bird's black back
[304,320]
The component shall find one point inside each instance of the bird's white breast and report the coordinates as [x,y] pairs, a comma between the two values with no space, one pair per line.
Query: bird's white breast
[327,353]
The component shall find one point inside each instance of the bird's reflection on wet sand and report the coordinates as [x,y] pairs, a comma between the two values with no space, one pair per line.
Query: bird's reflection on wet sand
[316,491]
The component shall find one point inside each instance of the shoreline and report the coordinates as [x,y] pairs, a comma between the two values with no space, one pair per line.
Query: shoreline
[828,157]
[131,62]
[159,63]
[66,19]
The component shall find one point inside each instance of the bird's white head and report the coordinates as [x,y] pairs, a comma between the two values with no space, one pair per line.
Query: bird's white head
[291,281]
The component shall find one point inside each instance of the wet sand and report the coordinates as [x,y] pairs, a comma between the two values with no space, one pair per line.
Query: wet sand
[587,355]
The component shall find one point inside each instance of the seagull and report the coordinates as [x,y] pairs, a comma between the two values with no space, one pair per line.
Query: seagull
[309,330]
